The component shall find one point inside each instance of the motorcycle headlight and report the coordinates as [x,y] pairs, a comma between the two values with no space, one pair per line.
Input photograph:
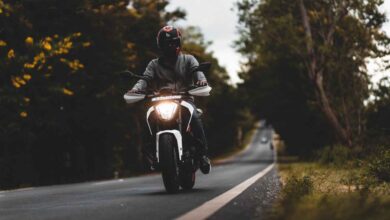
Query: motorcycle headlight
[166,110]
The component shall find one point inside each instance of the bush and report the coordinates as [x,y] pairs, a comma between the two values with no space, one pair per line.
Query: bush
[296,188]
[336,155]
[379,166]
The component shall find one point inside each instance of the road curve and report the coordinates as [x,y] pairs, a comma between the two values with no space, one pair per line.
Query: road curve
[135,198]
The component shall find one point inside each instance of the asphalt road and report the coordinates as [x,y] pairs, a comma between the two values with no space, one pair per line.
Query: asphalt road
[144,197]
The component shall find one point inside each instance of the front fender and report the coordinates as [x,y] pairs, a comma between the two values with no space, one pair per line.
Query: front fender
[179,141]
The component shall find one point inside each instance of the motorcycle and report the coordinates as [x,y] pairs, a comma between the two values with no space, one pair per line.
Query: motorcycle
[168,120]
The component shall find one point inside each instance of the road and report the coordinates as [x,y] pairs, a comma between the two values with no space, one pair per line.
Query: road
[145,198]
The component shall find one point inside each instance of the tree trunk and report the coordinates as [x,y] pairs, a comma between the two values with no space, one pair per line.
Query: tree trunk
[326,108]
[316,76]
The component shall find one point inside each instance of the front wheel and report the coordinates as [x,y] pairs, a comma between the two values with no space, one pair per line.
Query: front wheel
[187,180]
[168,162]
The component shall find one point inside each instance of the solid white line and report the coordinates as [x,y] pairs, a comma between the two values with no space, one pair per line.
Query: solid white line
[17,190]
[210,207]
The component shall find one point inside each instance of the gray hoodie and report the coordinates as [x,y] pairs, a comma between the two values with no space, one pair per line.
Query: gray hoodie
[178,77]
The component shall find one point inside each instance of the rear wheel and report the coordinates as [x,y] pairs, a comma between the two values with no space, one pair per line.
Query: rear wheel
[168,162]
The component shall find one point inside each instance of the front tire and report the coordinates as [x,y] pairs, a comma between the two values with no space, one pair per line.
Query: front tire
[168,162]
[187,180]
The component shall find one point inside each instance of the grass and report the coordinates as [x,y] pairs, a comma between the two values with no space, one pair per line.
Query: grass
[340,183]
[313,190]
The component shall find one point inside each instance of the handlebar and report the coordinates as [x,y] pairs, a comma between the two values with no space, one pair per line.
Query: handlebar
[204,67]
[157,94]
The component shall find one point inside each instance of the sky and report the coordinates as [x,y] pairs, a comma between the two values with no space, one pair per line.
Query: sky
[218,22]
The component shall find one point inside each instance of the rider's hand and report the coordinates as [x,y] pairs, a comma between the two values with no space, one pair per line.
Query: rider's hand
[132,91]
[201,83]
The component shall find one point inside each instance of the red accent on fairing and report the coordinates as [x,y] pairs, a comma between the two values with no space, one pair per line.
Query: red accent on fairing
[167,28]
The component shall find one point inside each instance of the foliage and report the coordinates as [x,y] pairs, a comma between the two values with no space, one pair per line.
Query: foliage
[336,192]
[336,155]
[296,188]
[277,79]
[379,166]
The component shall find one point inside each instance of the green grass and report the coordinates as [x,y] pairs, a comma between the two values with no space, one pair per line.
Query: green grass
[313,190]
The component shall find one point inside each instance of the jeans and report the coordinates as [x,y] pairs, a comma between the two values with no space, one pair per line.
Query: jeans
[198,131]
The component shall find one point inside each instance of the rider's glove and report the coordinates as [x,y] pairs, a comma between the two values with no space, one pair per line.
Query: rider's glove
[201,83]
[132,91]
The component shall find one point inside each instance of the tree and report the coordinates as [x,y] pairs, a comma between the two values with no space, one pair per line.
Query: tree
[321,47]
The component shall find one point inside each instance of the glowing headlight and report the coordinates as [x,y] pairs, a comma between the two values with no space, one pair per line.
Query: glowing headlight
[166,110]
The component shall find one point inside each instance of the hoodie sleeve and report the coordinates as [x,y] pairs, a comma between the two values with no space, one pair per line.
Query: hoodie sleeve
[193,64]
[149,74]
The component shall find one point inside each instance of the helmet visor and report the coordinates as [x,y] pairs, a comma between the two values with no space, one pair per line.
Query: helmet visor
[171,43]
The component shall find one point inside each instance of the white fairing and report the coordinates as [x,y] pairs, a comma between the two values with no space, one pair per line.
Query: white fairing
[190,108]
[200,91]
[178,137]
[150,110]
[133,98]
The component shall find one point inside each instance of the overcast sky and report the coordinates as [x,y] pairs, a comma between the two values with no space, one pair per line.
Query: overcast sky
[218,23]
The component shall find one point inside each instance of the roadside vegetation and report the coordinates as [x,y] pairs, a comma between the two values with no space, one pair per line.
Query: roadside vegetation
[335,184]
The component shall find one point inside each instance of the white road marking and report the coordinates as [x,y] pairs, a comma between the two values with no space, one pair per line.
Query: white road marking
[17,190]
[108,182]
[210,207]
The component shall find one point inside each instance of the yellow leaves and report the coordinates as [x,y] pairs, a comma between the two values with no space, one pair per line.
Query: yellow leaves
[23,114]
[3,43]
[74,65]
[67,92]
[29,41]
[15,84]
[29,65]
[11,54]
[18,81]
[26,99]
[86,44]
[26,76]
[68,45]
[46,46]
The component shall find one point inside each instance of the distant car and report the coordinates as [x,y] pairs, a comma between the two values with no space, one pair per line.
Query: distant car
[264,140]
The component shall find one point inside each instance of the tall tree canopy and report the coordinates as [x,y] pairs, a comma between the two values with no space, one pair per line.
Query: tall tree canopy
[306,69]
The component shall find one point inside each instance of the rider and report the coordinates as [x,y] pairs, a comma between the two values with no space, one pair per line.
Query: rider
[173,70]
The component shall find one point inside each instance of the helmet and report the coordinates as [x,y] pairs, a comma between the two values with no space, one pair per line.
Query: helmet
[169,41]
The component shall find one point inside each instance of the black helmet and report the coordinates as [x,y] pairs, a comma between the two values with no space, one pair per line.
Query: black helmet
[169,41]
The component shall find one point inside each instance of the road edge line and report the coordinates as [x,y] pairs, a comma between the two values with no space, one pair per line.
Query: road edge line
[212,206]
